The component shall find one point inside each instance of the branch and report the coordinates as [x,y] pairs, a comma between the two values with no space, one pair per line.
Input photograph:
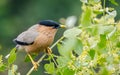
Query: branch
[43,56]
[30,71]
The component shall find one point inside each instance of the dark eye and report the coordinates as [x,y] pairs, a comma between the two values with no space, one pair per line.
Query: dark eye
[55,26]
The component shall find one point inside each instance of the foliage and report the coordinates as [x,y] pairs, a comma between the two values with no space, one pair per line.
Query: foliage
[10,64]
[91,48]
[2,65]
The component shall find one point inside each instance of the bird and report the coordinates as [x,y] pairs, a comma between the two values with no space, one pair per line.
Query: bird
[37,38]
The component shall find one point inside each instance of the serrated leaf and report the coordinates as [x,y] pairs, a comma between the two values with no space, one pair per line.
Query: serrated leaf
[66,48]
[12,56]
[73,32]
[50,68]
[69,45]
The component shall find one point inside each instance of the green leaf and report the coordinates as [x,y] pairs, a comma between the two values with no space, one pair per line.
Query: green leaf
[27,59]
[66,48]
[73,32]
[78,46]
[118,44]
[112,32]
[86,16]
[67,71]
[62,61]
[105,72]
[71,43]
[105,29]
[2,65]
[102,42]
[113,2]
[50,68]
[111,14]
[92,53]
[98,11]
[12,56]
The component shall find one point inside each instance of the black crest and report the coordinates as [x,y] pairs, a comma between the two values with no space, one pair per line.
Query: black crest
[49,23]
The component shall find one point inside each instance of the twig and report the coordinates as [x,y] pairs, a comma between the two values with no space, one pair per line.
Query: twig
[57,42]
[43,56]
[30,71]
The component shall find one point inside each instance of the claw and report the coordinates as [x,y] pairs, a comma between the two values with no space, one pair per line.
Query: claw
[48,50]
[35,65]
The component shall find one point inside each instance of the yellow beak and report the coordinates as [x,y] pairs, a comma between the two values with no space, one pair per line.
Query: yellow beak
[62,26]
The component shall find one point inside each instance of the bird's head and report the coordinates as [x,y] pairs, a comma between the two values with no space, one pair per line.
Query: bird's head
[51,23]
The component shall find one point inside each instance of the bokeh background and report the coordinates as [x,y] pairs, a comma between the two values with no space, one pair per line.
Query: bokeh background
[17,15]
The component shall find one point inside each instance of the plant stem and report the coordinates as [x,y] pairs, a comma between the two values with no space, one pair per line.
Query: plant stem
[30,71]
[43,56]
[57,42]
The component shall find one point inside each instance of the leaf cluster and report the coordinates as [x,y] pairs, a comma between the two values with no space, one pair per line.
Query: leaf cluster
[91,48]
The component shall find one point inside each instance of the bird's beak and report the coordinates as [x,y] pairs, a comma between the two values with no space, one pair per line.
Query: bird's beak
[62,26]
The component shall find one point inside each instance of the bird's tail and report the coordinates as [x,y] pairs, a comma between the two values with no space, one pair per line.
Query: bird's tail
[8,55]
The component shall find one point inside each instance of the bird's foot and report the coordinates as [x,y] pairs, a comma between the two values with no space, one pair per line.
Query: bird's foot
[48,51]
[35,65]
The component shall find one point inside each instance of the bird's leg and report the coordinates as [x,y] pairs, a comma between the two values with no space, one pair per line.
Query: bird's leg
[48,50]
[35,64]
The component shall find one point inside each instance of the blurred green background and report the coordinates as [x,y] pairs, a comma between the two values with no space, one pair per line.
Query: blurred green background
[17,15]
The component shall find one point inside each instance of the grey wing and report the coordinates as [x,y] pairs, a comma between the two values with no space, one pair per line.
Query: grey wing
[26,38]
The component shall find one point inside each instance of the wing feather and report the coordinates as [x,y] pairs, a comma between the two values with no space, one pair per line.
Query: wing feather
[26,38]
